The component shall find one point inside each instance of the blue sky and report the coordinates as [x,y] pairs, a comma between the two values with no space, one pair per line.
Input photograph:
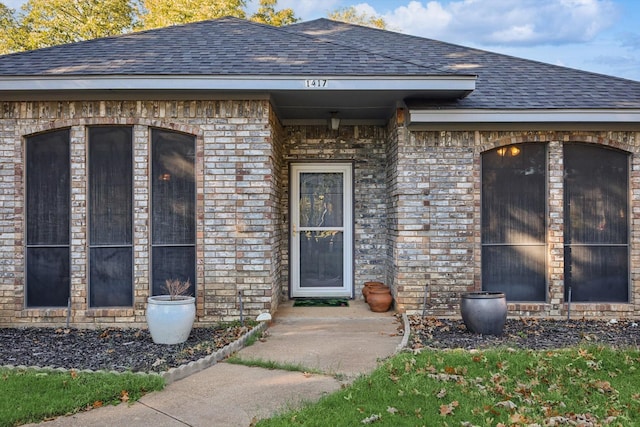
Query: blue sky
[601,36]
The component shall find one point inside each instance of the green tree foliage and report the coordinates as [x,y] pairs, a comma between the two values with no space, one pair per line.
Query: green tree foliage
[43,23]
[163,13]
[267,14]
[50,22]
[352,16]
[9,27]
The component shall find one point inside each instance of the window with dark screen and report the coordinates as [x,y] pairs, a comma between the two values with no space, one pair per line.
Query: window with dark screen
[173,197]
[514,221]
[596,223]
[110,217]
[48,192]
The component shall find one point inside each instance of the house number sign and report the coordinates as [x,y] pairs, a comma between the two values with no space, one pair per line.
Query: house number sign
[316,83]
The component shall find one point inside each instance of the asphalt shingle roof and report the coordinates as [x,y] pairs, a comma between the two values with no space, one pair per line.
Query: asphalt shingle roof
[235,47]
[503,81]
[226,46]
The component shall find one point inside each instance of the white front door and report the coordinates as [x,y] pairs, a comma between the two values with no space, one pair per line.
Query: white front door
[321,230]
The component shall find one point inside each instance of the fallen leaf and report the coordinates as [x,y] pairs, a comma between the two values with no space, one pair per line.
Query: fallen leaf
[507,404]
[517,418]
[124,396]
[97,404]
[448,409]
[372,419]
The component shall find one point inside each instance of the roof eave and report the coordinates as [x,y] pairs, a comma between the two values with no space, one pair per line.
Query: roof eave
[524,119]
[455,84]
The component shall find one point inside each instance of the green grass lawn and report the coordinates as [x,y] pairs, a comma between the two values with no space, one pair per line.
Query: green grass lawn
[498,387]
[596,386]
[28,395]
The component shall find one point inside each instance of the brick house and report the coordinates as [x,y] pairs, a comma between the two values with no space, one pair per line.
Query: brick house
[303,161]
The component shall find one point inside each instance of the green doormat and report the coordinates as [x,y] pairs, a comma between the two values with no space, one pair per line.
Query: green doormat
[321,302]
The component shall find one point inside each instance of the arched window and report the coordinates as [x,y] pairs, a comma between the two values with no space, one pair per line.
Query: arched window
[110,216]
[514,199]
[173,213]
[596,223]
[48,204]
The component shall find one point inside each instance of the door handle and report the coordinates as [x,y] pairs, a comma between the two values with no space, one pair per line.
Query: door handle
[294,230]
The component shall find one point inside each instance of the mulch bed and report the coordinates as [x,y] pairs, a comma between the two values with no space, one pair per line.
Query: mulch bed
[109,349]
[133,350]
[525,333]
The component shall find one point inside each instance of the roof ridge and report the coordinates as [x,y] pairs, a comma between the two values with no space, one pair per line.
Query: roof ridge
[345,45]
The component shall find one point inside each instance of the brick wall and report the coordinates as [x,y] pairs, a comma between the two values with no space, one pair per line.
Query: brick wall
[237,204]
[436,202]
[441,247]
[416,199]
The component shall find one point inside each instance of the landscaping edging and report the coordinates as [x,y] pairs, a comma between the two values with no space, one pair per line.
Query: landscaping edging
[406,334]
[183,371]
[172,374]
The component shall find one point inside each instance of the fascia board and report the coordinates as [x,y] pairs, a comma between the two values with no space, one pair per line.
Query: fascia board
[454,116]
[463,84]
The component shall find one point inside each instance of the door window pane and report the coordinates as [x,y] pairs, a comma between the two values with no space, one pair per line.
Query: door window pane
[596,221]
[513,221]
[321,199]
[48,184]
[321,259]
[110,216]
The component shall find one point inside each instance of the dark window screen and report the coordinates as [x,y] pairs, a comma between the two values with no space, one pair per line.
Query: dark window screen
[111,277]
[173,262]
[48,189]
[513,221]
[173,188]
[596,219]
[172,209]
[48,186]
[110,180]
[110,216]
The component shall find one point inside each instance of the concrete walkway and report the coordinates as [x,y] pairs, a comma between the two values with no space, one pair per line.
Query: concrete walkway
[340,342]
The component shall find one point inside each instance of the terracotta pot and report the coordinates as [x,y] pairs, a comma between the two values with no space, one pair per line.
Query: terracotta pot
[379,299]
[368,285]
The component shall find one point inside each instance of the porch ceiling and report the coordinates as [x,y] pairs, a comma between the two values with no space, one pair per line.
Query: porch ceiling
[375,107]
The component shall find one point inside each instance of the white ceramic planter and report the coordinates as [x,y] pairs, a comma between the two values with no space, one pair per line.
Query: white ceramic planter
[170,321]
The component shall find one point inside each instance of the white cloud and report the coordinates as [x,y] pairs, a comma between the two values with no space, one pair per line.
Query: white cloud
[415,18]
[365,9]
[309,9]
[503,22]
